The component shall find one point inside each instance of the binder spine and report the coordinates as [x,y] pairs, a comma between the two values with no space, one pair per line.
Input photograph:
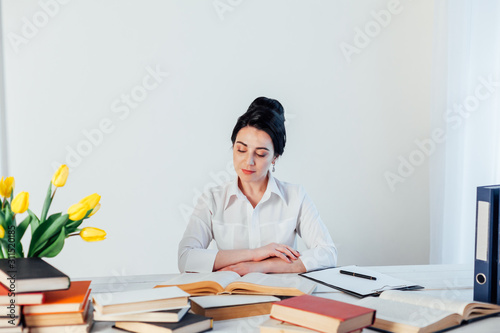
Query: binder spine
[486,252]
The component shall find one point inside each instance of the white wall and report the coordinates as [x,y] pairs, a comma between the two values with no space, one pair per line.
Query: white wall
[349,122]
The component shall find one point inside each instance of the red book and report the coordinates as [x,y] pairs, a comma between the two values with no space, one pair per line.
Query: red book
[72,299]
[322,314]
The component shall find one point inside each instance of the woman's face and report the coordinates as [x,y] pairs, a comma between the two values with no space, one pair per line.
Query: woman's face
[253,153]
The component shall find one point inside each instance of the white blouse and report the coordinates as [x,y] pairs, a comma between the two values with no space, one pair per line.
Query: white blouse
[225,215]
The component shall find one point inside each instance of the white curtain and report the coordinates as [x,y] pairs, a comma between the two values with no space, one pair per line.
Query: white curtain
[3,127]
[466,107]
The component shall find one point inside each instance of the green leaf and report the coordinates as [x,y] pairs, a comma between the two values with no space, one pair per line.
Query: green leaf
[19,250]
[35,222]
[3,250]
[2,220]
[9,217]
[46,230]
[55,246]
[46,204]
[21,228]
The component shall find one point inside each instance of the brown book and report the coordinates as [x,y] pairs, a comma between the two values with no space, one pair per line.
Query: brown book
[191,323]
[421,312]
[73,299]
[218,283]
[322,314]
[57,318]
[222,307]
[78,328]
[165,316]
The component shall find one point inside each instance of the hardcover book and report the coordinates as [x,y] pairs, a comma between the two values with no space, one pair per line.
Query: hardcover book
[137,301]
[322,314]
[31,274]
[190,324]
[58,318]
[278,326]
[420,312]
[72,299]
[166,316]
[19,299]
[218,283]
[222,307]
[75,328]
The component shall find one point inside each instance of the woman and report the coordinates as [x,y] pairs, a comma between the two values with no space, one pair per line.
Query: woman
[255,218]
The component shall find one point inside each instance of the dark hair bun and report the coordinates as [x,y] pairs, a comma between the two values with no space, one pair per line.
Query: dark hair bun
[264,103]
[268,115]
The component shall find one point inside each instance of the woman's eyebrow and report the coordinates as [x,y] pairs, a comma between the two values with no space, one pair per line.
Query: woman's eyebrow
[244,144]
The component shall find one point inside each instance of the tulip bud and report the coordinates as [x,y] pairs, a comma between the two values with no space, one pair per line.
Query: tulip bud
[60,176]
[95,210]
[2,232]
[6,186]
[90,234]
[78,211]
[20,203]
[91,200]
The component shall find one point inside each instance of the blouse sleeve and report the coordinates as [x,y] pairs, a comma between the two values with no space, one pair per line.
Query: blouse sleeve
[193,255]
[321,251]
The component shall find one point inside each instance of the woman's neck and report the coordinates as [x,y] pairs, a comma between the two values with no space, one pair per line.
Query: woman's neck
[254,191]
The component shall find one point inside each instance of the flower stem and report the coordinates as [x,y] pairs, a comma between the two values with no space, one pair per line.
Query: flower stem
[52,198]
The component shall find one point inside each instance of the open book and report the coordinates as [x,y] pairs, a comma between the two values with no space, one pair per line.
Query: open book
[216,283]
[416,311]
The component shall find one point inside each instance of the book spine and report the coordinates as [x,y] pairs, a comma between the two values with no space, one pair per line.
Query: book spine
[486,251]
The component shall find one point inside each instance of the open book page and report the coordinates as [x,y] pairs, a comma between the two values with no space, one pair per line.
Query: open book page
[222,278]
[423,299]
[276,281]
[401,317]
[467,309]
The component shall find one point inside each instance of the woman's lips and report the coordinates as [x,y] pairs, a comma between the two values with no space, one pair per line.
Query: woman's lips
[247,172]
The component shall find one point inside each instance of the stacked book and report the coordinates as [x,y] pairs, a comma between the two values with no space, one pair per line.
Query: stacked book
[61,311]
[150,310]
[308,313]
[37,297]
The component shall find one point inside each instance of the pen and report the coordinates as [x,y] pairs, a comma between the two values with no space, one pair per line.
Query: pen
[363,276]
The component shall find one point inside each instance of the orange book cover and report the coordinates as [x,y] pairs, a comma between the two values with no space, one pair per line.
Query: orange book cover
[69,300]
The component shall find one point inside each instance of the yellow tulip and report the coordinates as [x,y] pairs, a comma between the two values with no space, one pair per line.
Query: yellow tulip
[20,203]
[2,232]
[78,211]
[96,208]
[60,176]
[90,234]
[91,200]
[6,186]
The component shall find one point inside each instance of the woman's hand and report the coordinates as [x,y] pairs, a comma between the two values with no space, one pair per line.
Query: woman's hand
[281,251]
[243,268]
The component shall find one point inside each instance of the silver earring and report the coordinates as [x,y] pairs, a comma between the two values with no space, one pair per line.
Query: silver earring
[273,167]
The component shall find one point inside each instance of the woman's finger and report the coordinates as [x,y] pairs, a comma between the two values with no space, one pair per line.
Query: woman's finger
[287,251]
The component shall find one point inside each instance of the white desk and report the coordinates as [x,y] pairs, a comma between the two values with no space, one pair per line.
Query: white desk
[450,281]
